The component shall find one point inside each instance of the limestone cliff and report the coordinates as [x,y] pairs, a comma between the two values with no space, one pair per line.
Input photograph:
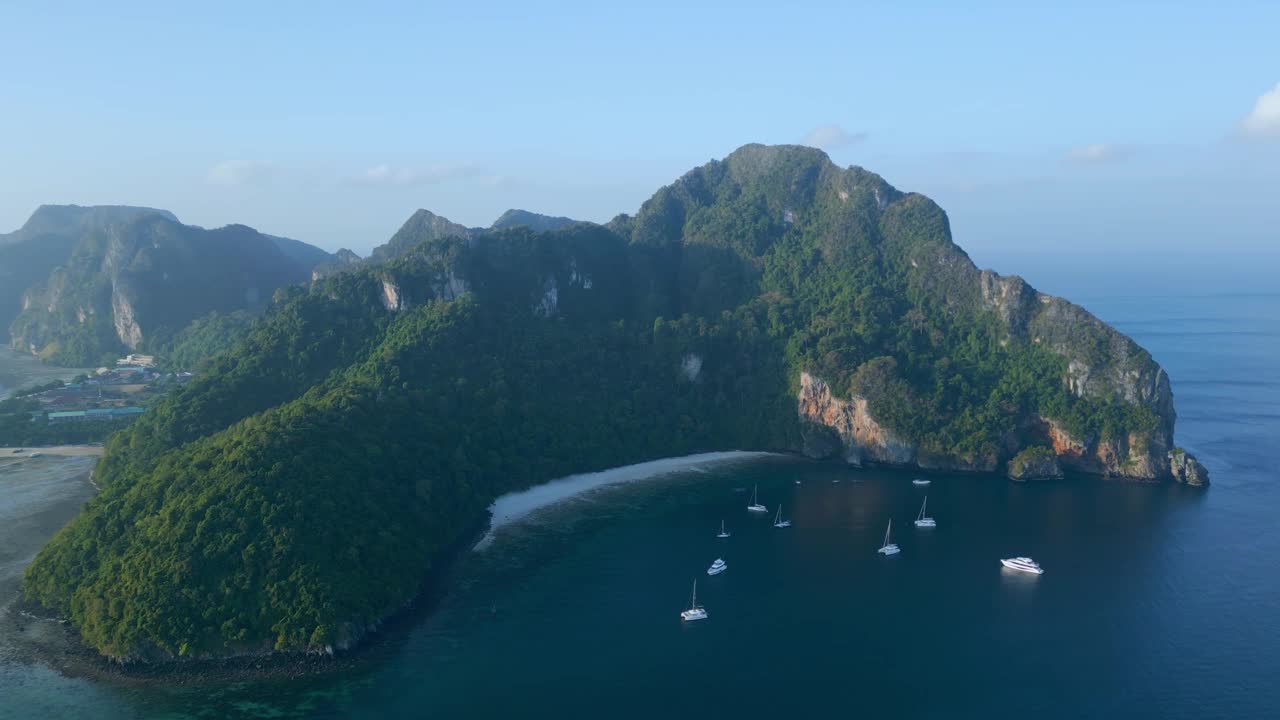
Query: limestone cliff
[838,427]
[127,283]
[833,425]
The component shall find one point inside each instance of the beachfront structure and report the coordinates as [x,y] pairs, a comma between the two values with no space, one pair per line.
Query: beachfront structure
[135,360]
[95,414]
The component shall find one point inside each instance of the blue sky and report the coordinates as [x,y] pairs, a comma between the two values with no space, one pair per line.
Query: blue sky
[1051,136]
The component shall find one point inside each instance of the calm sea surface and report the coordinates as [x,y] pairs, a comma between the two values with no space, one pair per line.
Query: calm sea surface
[1158,601]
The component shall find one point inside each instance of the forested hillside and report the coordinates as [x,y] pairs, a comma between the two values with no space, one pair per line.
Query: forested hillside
[305,486]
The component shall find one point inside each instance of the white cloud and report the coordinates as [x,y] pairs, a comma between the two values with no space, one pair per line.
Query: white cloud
[1264,120]
[829,137]
[1098,152]
[239,172]
[385,174]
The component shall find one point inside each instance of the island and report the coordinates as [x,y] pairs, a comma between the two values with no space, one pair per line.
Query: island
[304,485]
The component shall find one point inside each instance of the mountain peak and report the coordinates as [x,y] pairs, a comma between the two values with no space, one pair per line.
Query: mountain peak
[421,226]
[73,219]
[763,157]
[532,220]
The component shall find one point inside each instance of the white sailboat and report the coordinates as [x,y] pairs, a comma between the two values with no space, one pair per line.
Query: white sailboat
[889,548]
[778,522]
[922,520]
[755,505]
[723,533]
[694,612]
[717,567]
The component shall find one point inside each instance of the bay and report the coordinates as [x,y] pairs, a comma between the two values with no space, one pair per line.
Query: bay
[1158,601]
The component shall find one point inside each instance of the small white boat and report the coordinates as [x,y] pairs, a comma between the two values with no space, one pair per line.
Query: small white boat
[34,455]
[717,567]
[694,612]
[797,482]
[755,505]
[723,533]
[920,481]
[1023,564]
[889,548]
[778,522]
[922,520]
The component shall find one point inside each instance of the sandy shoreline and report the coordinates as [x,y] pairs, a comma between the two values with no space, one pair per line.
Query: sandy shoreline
[60,450]
[513,506]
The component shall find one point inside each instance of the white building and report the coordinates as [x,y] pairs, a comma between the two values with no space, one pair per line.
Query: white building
[133,360]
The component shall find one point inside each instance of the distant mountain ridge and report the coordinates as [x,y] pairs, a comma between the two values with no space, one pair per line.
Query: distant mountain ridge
[70,219]
[45,241]
[424,225]
[80,284]
[534,221]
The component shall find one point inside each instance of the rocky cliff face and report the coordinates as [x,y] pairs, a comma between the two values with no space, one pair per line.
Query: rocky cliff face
[839,427]
[128,282]
[835,426]
[28,255]
[1100,364]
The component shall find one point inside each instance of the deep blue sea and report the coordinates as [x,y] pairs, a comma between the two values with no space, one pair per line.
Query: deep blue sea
[1158,601]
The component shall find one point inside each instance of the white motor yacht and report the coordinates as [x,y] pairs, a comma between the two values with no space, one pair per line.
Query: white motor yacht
[920,481]
[717,567]
[1023,564]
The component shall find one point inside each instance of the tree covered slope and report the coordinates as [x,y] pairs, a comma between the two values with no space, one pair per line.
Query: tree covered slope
[303,487]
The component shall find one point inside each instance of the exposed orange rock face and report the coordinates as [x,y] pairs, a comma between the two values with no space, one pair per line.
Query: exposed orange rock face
[1068,449]
[1138,455]
[839,427]
[858,437]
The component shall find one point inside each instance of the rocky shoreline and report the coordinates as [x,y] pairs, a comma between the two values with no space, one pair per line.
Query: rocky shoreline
[833,427]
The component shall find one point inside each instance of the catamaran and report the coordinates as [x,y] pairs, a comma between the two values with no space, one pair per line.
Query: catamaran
[889,548]
[694,612]
[922,520]
[755,505]
[723,533]
[778,522]
[1023,564]
[717,567]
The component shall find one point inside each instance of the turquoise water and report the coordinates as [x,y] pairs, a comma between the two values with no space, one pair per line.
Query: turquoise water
[1158,601]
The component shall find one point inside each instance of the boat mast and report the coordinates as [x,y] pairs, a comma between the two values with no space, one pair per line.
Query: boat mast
[923,505]
[887,530]
[693,604]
